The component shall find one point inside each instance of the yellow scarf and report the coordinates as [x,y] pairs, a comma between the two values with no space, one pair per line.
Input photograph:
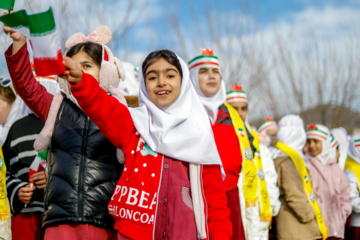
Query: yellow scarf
[265,206]
[300,166]
[4,204]
[353,167]
[248,165]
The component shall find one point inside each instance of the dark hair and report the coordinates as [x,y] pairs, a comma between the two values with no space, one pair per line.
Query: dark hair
[94,51]
[7,94]
[169,56]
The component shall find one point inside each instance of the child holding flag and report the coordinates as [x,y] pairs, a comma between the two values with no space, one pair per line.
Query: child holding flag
[82,164]
[26,201]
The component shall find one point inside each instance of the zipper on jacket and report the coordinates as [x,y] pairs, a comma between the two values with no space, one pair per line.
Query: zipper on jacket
[81,170]
[49,163]
[157,197]
[46,203]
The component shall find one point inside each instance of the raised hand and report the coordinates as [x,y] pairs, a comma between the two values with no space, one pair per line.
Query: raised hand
[73,72]
[18,39]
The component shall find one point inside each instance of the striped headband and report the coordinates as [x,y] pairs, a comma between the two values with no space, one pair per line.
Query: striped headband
[237,94]
[265,125]
[334,143]
[206,59]
[314,132]
[356,143]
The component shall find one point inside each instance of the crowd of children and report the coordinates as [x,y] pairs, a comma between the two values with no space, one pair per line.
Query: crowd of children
[180,162]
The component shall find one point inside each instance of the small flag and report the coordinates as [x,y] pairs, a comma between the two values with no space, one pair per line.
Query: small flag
[7,4]
[41,31]
[241,131]
[38,165]
[306,179]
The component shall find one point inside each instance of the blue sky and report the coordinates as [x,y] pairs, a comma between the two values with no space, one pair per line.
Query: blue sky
[264,13]
[329,22]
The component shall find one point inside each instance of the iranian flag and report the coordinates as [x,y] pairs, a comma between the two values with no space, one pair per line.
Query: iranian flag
[38,165]
[7,4]
[41,31]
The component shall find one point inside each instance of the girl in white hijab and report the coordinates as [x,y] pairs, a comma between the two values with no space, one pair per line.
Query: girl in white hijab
[169,152]
[212,94]
[343,139]
[330,184]
[205,75]
[296,218]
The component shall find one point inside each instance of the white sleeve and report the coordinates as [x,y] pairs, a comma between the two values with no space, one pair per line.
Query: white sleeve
[354,191]
[271,178]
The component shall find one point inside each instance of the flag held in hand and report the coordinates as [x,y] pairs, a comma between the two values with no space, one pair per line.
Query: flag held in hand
[41,31]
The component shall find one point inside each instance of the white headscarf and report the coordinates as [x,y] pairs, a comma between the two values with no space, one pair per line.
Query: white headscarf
[181,130]
[292,133]
[343,138]
[130,86]
[333,146]
[325,154]
[354,148]
[18,110]
[211,104]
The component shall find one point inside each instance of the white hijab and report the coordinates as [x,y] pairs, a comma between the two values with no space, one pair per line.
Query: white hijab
[354,152]
[292,133]
[325,154]
[333,146]
[343,138]
[18,110]
[131,85]
[211,104]
[181,130]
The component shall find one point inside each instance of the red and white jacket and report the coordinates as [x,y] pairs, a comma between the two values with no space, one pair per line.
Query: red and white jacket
[156,196]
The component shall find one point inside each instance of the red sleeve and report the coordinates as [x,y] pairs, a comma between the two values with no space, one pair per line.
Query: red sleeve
[219,223]
[112,117]
[33,93]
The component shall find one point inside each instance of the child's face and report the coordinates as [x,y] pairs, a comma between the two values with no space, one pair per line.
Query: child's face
[209,81]
[271,132]
[163,83]
[241,108]
[314,146]
[86,64]
[337,156]
[5,108]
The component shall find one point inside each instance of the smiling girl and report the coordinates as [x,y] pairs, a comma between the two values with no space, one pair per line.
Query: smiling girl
[171,185]
[330,185]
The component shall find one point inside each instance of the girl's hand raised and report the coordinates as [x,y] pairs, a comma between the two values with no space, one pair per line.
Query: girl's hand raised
[73,73]
[18,39]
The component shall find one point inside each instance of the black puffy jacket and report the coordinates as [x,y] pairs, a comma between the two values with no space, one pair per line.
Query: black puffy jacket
[83,171]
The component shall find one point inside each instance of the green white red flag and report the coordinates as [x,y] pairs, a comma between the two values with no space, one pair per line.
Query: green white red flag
[41,31]
[7,4]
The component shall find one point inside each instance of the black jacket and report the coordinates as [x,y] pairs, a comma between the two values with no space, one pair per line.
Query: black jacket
[83,171]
